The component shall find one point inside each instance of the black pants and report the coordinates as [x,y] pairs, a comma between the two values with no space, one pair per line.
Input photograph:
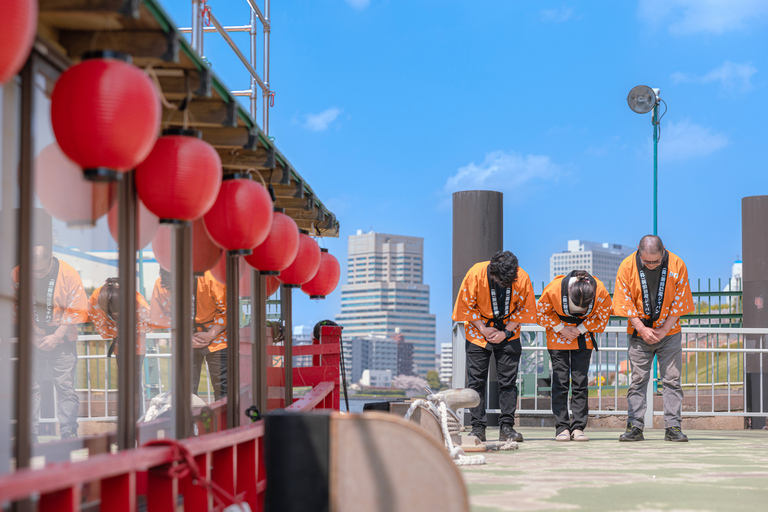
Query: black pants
[217,370]
[507,354]
[573,366]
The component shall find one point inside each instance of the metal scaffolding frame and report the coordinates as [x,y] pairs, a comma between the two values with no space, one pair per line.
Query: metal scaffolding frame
[202,14]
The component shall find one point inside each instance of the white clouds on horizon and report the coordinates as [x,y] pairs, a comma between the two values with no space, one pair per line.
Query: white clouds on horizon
[556,15]
[686,140]
[684,17]
[503,171]
[320,122]
[731,75]
[358,4]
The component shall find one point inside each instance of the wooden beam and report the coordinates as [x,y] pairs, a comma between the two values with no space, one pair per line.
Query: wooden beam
[225,137]
[203,113]
[305,203]
[144,45]
[125,7]
[174,83]
[246,159]
[292,190]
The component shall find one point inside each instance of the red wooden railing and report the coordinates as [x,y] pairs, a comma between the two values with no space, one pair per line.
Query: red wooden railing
[233,460]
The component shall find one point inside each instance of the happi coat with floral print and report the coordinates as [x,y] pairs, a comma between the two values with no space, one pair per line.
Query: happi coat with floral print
[474,302]
[550,305]
[628,295]
[107,328]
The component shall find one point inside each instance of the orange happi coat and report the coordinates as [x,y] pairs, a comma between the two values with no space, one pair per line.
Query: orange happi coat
[550,305]
[107,327]
[211,308]
[70,302]
[474,302]
[628,295]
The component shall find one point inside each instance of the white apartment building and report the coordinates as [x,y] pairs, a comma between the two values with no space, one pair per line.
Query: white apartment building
[385,293]
[602,260]
[377,378]
[446,363]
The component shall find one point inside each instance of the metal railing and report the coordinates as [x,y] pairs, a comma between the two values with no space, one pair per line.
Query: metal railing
[713,372]
[202,15]
[100,378]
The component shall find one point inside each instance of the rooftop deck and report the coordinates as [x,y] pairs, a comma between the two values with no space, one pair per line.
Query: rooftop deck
[717,470]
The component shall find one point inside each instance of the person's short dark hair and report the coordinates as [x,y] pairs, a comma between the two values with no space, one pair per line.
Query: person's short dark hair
[165,278]
[582,291]
[109,298]
[503,268]
[651,244]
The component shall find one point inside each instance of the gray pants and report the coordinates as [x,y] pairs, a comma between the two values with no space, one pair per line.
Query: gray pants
[670,355]
[60,364]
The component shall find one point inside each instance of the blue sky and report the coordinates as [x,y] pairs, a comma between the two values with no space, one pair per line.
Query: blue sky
[387,107]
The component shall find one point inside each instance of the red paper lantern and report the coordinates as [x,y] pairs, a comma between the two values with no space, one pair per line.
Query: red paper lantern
[306,264]
[65,194]
[241,216]
[181,177]
[105,114]
[326,279]
[17,36]
[279,248]
[147,226]
[205,254]
[273,284]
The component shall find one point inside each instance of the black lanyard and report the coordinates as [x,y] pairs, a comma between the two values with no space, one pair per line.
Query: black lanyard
[654,315]
[49,293]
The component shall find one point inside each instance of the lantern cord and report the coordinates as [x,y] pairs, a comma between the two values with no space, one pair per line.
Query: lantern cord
[257,173]
[153,75]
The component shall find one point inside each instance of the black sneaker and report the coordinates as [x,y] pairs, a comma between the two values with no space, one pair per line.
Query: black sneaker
[675,434]
[478,432]
[507,433]
[632,434]
[69,435]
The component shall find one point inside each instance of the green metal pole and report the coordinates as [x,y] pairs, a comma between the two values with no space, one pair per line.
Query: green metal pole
[655,121]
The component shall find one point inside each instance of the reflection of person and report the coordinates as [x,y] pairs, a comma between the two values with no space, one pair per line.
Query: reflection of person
[210,338]
[59,305]
[494,299]
[652,291]
[103,306]
[572,308]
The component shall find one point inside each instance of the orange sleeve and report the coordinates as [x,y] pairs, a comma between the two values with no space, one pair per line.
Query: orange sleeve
[76,311]
[159,310]
[219,295]
[623,303]
[545,308]
[683,301]
[142,314]
[601,312]
[465,309]
[525,310]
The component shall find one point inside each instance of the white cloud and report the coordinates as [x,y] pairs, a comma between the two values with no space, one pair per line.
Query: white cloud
[358,4]
[503,171]
[731,76]
[556,15]
[320,122]
[686,140]
[709,16]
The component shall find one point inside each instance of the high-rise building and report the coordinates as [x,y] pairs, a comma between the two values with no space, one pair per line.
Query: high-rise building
[371,352]
[385,293]
[600,260]
[446,364]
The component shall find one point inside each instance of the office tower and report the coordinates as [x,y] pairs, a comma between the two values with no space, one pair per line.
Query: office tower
[385,294]
[600,260]
[446,364]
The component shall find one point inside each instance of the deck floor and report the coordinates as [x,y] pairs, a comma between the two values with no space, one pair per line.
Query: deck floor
[718,470]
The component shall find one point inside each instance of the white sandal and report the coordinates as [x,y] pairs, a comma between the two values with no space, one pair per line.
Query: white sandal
[578,435]
[563,436]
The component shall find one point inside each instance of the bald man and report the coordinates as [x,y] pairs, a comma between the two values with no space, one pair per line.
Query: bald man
[652,292]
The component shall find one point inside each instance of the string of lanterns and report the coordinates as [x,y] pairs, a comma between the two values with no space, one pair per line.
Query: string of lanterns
[178,178]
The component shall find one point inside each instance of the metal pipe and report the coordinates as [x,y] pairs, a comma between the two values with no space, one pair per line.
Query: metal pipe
[253,34]
[241,93]
[237,28]
[259,339]
[181,328]
[265,89]
[237,51]
[24,354]
[233,340]
[286,308]
[126,327]
[255,8]
[197,27]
